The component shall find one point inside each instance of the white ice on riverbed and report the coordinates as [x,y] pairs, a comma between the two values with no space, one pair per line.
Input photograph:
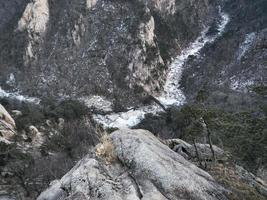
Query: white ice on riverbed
[127,119]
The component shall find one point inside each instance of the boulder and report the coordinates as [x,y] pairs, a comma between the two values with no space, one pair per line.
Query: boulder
[252,180]
[145,169]
[262,172]
[53,192]
[16,113]
[36,136]
[4,115]
[7,126]
[157,168]
[93,178]
[188,151]
[90,3]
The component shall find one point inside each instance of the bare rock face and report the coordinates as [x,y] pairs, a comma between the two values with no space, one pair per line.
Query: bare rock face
[90,3]
[34,22]
[188,151]
[141,62]
[35,17]
[146,169]
[262,172]
[163,6]
[4,115]
[7,125]
[157,168]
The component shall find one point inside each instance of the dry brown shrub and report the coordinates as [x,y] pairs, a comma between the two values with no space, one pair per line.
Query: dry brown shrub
[105,149]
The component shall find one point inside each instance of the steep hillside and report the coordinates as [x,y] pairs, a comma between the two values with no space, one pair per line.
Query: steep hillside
[233,69]
[77,77]
[110,48]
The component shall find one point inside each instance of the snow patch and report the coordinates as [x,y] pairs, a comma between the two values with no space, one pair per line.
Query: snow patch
[245,46]
[240,85]
[97,102]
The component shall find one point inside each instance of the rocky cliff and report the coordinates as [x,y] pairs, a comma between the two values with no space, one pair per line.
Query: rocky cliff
[7,126]
[127,164]
[79,48]
[134,164]
[73,71]
[160,174]
[233,68]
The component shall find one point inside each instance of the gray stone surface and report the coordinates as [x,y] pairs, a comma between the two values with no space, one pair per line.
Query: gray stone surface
[188,151]
[7,126]
[146,169]
[158,168]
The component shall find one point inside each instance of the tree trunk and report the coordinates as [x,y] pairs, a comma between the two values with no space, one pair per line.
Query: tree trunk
[197,153]
[158,102]
[211,147]
[155,100]
[209,139]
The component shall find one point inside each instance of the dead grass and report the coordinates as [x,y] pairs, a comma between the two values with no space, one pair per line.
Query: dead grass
[105,149]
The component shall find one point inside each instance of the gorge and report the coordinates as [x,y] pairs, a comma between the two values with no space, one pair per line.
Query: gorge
[131,100]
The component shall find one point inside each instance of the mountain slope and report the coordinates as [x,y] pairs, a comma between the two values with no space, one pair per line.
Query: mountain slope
[110,48]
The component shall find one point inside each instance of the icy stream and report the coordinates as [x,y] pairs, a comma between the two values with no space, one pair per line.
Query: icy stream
[172,94]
